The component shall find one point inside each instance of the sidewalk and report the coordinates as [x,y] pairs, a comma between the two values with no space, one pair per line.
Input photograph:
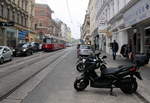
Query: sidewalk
[144,85]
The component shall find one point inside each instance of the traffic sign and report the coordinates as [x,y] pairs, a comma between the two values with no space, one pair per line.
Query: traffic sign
[11,23]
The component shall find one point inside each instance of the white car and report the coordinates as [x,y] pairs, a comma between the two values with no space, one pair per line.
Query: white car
[85,50]
[5,54]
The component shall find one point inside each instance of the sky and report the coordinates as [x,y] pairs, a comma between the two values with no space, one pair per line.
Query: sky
[71,12]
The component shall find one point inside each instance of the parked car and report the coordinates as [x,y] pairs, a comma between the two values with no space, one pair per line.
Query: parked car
[85,50]
[68,44]
[36,46]
[23,49]
[5,54]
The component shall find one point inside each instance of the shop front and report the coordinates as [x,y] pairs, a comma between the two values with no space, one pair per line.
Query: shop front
[22,36]
[2,41]
[138,19]
[96,39]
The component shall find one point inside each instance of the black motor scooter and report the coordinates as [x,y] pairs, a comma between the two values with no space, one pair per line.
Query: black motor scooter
[123,77]
[81,64]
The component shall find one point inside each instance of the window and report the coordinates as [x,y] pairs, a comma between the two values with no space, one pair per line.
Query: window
[47,40]
[26,4]
[13,16]
[22,20]
[25,21]
[35,26]
[40,24]
[42,13]
[19,2]
[0,10]
[22,4]
[8,13]
[18,18]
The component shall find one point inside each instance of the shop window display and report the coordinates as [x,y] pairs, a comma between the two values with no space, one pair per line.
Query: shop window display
[147,41]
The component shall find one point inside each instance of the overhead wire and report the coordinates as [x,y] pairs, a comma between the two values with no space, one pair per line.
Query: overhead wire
[69,13]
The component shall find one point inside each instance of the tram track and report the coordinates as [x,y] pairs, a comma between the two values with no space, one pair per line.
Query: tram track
[12,89]
[22,64]
[21,59]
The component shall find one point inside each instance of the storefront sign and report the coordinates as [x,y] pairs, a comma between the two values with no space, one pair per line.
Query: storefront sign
[7,23]
[137,13]
[22,34]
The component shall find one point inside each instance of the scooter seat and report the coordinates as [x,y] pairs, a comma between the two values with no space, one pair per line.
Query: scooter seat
[115,70]
[110,70]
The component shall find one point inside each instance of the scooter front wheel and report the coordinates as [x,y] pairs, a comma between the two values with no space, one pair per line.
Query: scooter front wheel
[80,67]
[80,84]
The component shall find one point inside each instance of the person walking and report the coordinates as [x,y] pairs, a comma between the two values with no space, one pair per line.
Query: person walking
[115,48]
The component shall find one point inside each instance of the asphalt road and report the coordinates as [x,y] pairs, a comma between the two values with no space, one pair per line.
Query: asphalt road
[14,74]
[57,87]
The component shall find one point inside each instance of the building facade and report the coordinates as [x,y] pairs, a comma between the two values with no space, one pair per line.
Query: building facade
[57,28]
[92,14]
[66,33]
[137,19]
[85,34]
[17,11]
[43,23]
[116,20]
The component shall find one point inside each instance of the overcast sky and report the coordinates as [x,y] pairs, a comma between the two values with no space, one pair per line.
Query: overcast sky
[73,14]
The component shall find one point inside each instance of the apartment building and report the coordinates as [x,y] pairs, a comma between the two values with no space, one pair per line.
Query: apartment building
[85,35]
[43,22]
[19,12]
[65,31]
[125,21]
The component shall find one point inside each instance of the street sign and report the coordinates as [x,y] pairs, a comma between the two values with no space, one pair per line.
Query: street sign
[11,23]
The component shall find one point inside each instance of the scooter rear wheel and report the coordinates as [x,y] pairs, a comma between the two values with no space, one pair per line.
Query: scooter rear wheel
[80,84]
[130,88]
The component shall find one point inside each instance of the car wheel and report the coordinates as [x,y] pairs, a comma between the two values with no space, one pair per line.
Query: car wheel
[28,53]
[11,58]
[31,52]
[15,55]
[1,61]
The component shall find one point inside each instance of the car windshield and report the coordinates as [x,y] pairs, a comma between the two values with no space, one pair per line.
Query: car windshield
[47,40]
[85,47]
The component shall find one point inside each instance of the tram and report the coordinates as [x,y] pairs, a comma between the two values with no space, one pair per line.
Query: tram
[53,43]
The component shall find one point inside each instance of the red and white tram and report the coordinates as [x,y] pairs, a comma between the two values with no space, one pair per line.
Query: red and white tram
[53,43]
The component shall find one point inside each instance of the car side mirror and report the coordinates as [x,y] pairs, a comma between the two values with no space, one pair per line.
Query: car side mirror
[104,57]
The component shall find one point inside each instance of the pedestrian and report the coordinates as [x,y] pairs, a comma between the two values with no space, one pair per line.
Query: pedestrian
[78,47]
[124,50]
[115,48]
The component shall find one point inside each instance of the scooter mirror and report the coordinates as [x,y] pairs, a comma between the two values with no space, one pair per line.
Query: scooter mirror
[104,57]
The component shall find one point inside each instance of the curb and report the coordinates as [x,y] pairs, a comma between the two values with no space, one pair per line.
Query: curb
[142,98]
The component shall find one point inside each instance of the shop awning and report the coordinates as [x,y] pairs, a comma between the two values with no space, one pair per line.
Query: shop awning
[108,33]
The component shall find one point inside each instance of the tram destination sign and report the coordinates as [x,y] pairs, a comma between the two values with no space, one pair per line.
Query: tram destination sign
[11,23]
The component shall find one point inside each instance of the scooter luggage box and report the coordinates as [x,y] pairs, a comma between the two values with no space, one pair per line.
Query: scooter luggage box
[141,59]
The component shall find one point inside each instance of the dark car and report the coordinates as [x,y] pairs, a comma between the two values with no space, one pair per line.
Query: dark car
[23,49]
[36,46]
